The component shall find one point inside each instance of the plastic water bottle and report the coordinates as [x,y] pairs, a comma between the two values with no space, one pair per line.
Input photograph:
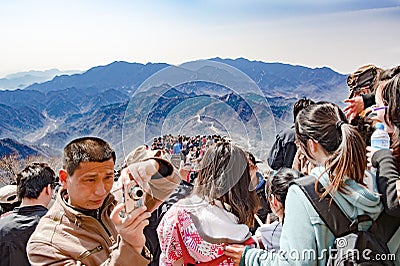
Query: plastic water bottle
[380,139]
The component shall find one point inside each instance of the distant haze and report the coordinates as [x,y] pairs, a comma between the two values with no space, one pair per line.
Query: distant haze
[76,34]
[21,80]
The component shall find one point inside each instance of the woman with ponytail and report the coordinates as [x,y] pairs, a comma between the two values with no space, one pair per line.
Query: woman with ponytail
[336,148]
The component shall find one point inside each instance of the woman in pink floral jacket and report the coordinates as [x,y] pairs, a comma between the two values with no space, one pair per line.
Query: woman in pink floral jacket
[220,210]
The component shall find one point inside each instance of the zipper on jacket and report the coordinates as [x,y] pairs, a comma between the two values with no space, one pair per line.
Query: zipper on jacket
[112,240]
[87,253]
[104,231]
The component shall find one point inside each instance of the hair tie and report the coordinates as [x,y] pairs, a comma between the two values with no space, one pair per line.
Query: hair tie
[339,124]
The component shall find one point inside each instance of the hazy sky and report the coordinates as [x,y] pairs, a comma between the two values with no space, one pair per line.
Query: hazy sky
[79,34]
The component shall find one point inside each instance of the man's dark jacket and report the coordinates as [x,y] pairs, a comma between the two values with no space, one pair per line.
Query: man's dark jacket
[15,230]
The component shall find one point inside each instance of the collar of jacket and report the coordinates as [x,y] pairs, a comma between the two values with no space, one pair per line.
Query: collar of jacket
[29,209]
[74,214]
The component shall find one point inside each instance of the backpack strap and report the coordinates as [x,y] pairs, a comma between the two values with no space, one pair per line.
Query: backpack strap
[328,210]
[394,242]
[385,226]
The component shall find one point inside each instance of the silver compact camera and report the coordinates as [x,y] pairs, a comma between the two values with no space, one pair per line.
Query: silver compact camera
[132,196]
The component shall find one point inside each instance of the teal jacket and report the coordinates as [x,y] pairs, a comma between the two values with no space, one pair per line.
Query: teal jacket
[305,238]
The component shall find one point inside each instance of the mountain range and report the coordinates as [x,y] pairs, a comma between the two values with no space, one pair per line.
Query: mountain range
[130,103]
[21,80]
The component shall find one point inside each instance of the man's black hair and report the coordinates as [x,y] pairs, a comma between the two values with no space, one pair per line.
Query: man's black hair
[86,149]
[300,105]
[32,180]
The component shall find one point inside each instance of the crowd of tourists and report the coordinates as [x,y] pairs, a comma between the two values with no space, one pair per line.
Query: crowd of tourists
[331,197]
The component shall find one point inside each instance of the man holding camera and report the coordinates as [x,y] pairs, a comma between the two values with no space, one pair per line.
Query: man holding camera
[85,226]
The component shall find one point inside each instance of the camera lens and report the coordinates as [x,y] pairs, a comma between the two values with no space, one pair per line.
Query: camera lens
[135,192]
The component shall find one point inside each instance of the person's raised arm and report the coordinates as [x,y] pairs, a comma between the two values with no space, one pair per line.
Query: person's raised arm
[356,106]
[387,179]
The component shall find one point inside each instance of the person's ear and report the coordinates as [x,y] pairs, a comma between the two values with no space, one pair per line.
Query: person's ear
[312,145]
[274,201]
[63,175]
[49,191]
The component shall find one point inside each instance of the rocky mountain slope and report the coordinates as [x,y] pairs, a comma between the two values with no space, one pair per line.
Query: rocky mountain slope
[112,101]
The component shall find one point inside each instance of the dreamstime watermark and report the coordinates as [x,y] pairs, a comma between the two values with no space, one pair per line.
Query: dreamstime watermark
[342,252]
[333,254]
[325,254]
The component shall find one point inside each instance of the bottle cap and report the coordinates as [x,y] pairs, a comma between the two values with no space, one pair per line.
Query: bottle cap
[379,126]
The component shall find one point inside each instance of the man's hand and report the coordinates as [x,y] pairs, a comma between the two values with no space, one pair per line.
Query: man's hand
[184,171]
[130,228]
[235,252]
[356,106]
[140,172]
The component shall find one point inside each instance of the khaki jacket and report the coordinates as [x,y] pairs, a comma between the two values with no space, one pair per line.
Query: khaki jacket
[65,236]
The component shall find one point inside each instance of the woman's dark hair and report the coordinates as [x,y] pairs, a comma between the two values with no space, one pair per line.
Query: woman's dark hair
[224,175]
[279,184]
[390,73]
[326,124]
[391,98]
[365,126]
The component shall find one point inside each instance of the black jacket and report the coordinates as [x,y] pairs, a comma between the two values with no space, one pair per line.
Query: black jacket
[283,151]
[15,230]
[368,99]
[386,177]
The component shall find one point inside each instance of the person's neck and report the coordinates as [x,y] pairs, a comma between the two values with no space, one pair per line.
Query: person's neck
[95,213]
[320,155]
[280,218]
[32,202]
[280,213]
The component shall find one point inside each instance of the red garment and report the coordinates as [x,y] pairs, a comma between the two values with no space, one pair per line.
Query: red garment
[203,228]
[197,247]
